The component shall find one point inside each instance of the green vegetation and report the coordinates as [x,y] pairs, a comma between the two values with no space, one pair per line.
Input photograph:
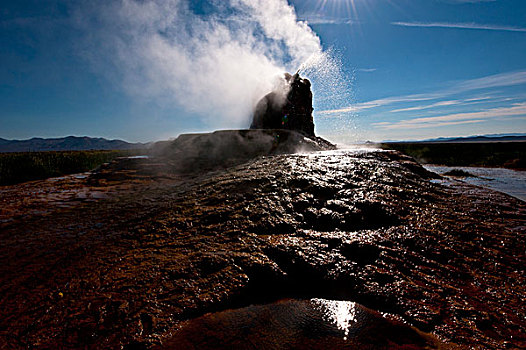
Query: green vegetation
[27,166]
[483,154]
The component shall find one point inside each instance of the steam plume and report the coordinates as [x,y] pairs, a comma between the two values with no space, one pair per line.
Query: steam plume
[216,60]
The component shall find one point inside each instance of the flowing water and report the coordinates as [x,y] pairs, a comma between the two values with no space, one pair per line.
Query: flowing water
[512,182]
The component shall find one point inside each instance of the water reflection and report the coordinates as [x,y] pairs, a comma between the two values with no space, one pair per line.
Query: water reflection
[346,150]
[299,324]
[341,313]
[512,182]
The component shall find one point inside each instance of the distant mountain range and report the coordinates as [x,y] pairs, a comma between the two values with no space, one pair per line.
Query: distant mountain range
[84,143]
[477,138]
[70,143]
[482,138]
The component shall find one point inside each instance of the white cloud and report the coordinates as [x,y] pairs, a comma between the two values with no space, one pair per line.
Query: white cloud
[367,70]
[316,18]
[378,103]
[474,26]
[518,109]
[434,105]
[407,126]
[321,20]
[448,103]
[491,81]
[482,98]
[468,1]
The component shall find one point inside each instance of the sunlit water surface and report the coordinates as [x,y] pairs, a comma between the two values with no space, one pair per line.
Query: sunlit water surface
[340,313]
[299,324]
[512,182]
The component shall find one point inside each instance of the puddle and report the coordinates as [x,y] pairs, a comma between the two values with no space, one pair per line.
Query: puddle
[292,324]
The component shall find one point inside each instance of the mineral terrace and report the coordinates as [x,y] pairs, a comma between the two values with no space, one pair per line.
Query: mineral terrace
[136,255]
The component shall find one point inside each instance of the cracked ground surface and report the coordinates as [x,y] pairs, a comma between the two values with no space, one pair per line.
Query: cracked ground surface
[137,256]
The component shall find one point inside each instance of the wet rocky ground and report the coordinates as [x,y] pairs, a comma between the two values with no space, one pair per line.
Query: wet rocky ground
[145,255]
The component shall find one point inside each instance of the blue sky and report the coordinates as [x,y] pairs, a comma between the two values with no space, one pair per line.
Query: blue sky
[407,69]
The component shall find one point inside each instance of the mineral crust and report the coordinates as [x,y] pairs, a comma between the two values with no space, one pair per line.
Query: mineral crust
[155,249]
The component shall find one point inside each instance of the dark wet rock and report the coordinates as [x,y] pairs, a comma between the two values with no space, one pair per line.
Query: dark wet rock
[362,253]
[459,173]
[130,269]
[290,107]
[191,153]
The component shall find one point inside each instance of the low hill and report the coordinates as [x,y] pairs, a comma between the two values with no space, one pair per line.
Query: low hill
[70,143]
[507,154]
[482,138]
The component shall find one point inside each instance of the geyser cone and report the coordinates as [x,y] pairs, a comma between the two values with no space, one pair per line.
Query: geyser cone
[289,108]
[194,152]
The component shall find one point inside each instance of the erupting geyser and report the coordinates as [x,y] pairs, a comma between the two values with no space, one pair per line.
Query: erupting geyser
[289,107]
[282,123]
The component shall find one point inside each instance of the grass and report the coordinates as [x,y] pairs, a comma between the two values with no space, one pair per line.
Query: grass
[26,166]
[482,154]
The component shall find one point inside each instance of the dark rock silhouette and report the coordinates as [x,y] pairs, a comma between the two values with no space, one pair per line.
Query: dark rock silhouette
[221,149]
[291,110]
[69,143]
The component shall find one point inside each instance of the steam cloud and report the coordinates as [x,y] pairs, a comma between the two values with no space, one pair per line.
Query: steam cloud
[216,60]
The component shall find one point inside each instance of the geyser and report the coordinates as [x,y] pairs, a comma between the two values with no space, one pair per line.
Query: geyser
[282,123]
[289,107]
[213,60]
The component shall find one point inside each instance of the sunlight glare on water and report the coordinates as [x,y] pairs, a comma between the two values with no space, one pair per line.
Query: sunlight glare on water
[340,313]
[348,150]
[503,180]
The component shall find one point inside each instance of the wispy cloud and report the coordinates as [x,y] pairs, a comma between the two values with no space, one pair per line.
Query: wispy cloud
[491,81]
[367,70]
[468,1]
[434,105]
[518,109]
[378,103]
[462,102]
[317,19]
[474,26]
